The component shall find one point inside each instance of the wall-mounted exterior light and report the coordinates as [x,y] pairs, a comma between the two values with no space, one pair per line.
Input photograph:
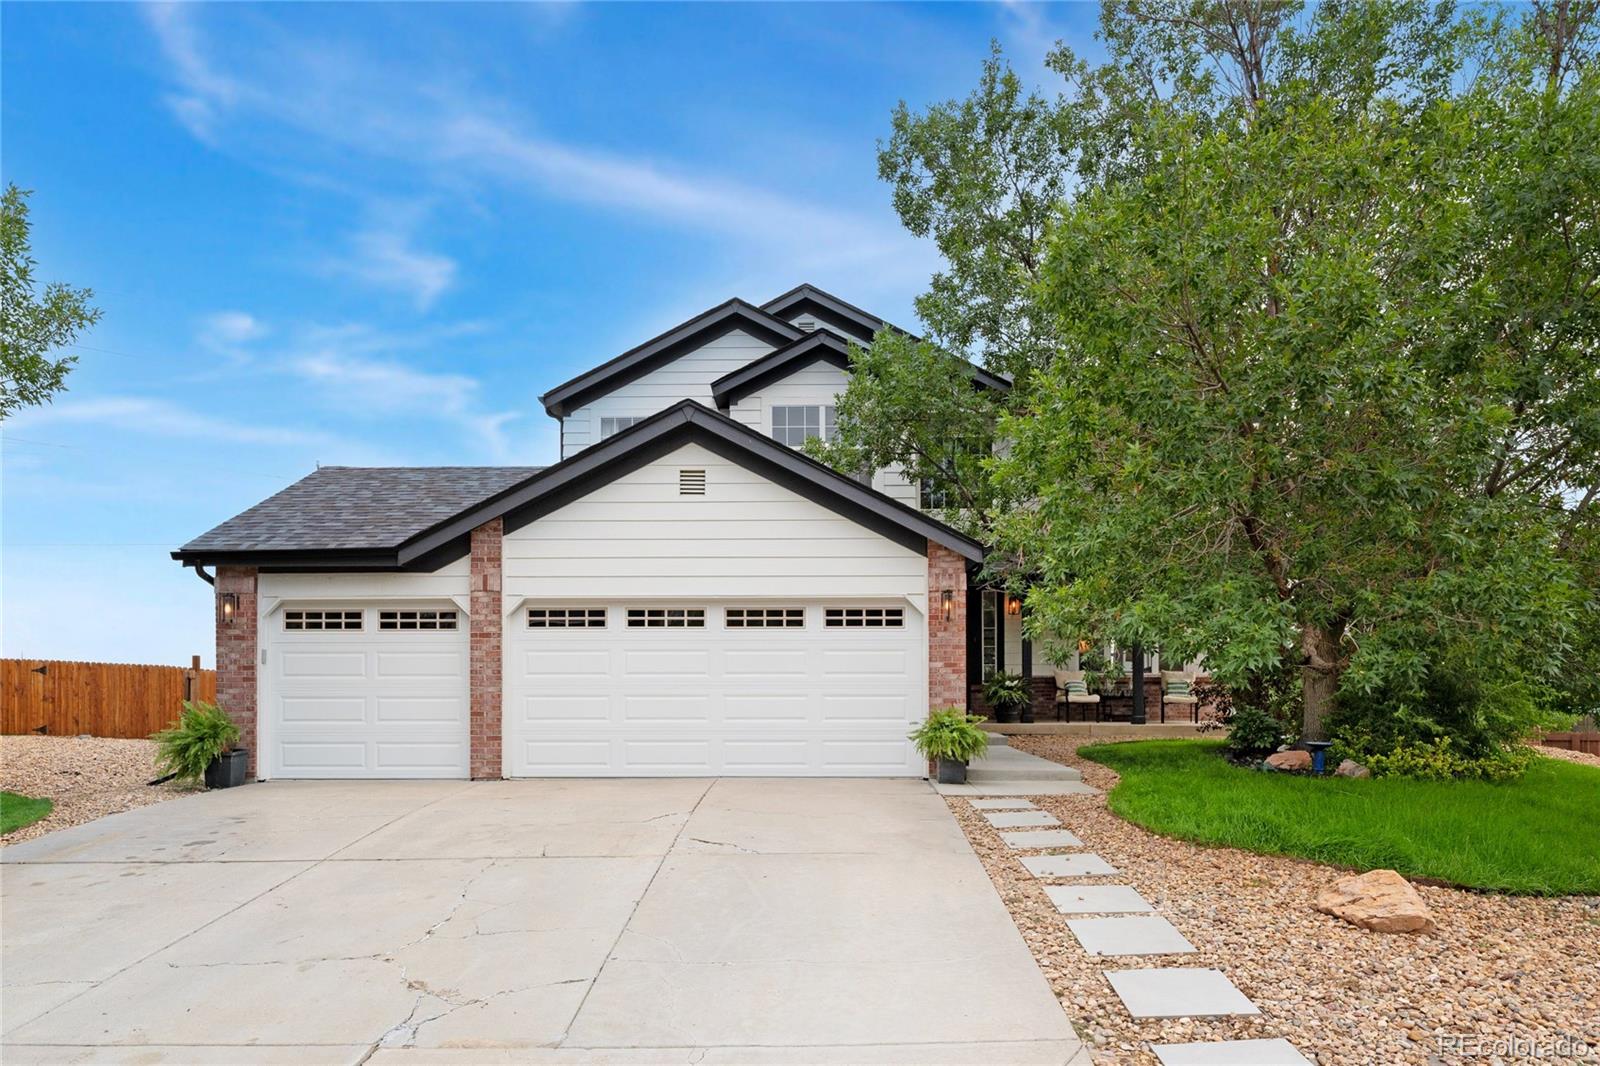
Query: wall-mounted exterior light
[1013,605]
[947,603]
[227,607]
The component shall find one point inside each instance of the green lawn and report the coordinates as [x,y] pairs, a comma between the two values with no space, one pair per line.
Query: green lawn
[1538,835]
[17,811]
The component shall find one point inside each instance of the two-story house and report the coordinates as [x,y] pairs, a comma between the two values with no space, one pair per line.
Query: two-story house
[683,593]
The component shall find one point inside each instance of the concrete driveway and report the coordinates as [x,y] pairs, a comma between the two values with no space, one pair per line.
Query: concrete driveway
[624,921]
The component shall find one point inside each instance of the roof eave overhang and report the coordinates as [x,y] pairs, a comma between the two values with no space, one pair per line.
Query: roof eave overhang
[813,347]
[613,374]
[685,422]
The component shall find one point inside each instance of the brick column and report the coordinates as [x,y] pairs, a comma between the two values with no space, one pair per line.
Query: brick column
[237,655]
[485,636]
[947,637]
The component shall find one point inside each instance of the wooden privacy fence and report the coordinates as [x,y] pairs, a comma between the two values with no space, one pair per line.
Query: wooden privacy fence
[101,699]
[1588,743]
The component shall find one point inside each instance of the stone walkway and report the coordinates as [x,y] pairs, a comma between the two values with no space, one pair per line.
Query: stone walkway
[1111,921]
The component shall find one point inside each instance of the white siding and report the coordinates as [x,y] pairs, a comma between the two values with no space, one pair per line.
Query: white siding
[636,538]
[818,383]
[688,377]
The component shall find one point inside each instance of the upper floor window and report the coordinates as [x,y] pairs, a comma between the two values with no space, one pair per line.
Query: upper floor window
[794,425]
[611,426]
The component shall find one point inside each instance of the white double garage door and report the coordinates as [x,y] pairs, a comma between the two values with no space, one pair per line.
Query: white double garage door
[824,689]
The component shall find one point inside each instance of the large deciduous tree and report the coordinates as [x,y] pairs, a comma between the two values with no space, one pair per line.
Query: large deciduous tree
[32,325]
[1301,307]
[1330,367]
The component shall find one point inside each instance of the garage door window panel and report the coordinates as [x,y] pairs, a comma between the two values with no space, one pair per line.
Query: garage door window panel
[566,617]
[765,618]
[417,621]
[304,621]
[864,617]
[666,618]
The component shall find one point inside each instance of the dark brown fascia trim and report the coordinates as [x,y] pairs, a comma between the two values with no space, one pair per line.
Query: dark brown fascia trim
[292,558]
[829,308]
[603,462]
[614,373]
[813,347]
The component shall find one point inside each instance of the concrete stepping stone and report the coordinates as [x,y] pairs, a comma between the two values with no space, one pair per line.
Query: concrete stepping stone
[1021,819]
[1149,935]
[1231,1053]
[1041,838]
[1015,803]
[1097,899]
[1179,993]
[1087,864]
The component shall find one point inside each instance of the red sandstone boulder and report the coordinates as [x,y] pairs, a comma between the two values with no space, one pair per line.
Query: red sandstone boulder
[1380,900]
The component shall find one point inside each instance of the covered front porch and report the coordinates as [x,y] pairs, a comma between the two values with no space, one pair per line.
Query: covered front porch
[1129,687]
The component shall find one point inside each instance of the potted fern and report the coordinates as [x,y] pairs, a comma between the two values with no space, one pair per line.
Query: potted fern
[952,738]
[200,746]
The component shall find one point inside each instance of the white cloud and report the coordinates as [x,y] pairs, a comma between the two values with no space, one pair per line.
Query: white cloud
[229,330]
[353,373]
[162,418]
[386,259]
[207,93]
[453,137]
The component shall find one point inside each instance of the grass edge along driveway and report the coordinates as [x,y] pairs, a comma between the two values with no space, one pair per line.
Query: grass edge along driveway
[18,811]
[1538,835]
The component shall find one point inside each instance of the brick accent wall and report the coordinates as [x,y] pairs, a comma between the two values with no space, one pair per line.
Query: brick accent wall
[485,636]
[237,654]
[947,638]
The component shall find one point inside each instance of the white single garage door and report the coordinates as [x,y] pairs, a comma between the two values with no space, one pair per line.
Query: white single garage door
[754,689]
[366,691]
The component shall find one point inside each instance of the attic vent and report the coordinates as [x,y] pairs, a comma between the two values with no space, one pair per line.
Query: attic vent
[691,483]
[806,325]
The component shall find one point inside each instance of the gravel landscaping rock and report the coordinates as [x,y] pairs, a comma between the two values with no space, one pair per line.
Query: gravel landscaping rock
[1500,966]
[1583,758]
[86,777]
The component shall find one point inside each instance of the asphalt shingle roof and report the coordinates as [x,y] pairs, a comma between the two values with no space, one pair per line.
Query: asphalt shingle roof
[341,507]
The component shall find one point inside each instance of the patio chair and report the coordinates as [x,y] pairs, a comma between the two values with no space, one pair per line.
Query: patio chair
[1176,690]
[1071,691]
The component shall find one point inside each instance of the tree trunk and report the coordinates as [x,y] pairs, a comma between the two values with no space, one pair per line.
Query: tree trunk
[1320,674]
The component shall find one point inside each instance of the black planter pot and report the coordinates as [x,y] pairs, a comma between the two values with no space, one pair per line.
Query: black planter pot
[227,770]
[1027,715]
[952,772]
[1005,714]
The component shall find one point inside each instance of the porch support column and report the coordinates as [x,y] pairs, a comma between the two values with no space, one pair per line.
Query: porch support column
[1138,685]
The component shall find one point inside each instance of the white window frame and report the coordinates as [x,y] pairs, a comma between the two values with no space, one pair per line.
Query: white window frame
[666,618]
[864,617]
[422,619]
[300,619]
[814,420]
[611,425]
[566,618]
[764,617]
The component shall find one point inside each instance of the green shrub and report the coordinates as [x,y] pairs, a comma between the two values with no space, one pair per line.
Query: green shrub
[1007,692]
[1252,733]
[1437,760]
[951,734]
[1456,722]
[202,733]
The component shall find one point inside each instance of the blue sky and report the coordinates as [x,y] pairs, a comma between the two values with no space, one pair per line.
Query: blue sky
[369,234]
